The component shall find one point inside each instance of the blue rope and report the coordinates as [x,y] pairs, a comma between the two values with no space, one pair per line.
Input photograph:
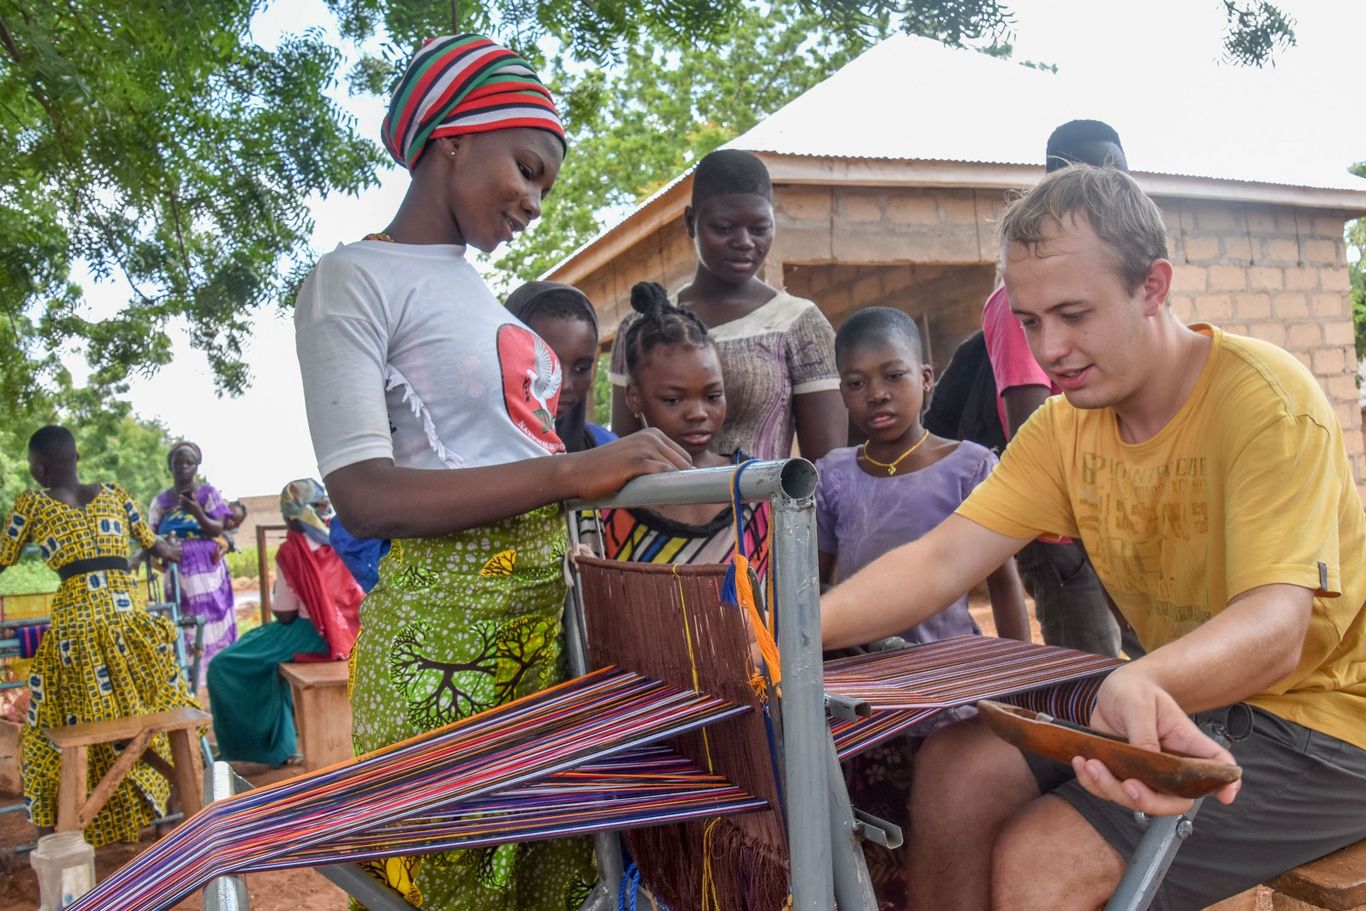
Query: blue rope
[629,889]
[729,594]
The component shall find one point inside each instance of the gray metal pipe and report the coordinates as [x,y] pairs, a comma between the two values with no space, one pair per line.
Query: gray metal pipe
[853,884]
[806,737]
[606,845]
[1150,861]
[226,893]
[791,478]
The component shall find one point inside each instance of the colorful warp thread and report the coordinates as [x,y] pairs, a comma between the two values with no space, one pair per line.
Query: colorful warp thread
[958,671]
[1070,701]
[642,787]
[549,732]
[671,619]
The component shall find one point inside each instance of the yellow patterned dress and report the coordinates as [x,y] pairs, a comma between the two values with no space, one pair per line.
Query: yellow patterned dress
[103,657]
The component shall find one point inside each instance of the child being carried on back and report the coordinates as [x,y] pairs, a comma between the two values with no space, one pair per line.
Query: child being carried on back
[904,480]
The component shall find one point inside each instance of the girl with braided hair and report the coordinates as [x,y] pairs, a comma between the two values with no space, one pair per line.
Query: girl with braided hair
[676,386]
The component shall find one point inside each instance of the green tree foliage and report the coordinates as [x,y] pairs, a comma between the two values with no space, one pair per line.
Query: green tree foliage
[115,444]
[1356,264]
[159,145]
[663,107]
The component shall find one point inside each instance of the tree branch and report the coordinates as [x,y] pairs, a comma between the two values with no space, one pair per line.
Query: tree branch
[180,239]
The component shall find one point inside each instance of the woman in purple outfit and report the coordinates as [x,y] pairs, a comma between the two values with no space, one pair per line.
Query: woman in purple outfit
[192,514]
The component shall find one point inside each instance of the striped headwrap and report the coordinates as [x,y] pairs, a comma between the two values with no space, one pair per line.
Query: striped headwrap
[464,84]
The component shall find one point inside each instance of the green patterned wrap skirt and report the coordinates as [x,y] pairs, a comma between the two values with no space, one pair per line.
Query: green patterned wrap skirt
[457,625]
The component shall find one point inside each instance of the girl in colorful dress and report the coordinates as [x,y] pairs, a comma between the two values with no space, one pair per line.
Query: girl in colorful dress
[193,514]
[564,318]
[316,604]
[432,410]
[777,351]
[676,386]
[104,656]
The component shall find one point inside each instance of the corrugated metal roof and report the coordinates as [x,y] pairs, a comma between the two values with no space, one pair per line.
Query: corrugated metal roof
[913,98]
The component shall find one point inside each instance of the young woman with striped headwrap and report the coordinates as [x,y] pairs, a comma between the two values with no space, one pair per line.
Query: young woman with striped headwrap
[432,413]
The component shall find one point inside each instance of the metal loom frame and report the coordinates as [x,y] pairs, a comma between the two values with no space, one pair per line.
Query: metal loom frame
[826,863]
[827,868]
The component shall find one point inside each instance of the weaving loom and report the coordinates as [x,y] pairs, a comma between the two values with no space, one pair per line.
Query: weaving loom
[686,732]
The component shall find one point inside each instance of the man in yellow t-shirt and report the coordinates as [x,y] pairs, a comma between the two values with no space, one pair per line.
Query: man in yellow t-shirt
[1207,477]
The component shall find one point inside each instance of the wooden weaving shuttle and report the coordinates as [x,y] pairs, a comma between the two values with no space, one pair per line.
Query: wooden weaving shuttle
[1170,773]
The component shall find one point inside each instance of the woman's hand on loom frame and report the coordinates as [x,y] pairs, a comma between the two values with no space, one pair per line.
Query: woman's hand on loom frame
[607,468]
[1134,707]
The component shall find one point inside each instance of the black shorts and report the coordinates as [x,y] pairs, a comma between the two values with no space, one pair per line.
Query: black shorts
[1303,796]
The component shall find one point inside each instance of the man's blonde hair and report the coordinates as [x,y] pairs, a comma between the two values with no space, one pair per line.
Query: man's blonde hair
[1109,200]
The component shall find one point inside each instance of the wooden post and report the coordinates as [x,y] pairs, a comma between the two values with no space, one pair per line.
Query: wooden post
[263,578]
[71,795]
[189,771]
[263,567]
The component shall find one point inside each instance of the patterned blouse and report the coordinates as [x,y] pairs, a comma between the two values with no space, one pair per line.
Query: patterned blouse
[784,348]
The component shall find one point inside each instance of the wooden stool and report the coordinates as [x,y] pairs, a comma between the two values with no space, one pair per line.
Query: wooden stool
[1336,883]
[322,711]
[75,810]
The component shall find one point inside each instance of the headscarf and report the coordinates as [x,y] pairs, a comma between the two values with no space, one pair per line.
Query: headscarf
[192,448]
[304,501]
[464,84]
[526,303]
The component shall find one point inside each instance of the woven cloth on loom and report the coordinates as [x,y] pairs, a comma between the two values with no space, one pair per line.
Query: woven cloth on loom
[959,671]
[580,721]
[671,620]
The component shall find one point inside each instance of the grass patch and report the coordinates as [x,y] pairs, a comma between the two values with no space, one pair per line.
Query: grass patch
[243,563]
[28,577]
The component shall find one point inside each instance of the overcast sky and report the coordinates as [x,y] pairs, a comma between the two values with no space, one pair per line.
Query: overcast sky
[1309,110]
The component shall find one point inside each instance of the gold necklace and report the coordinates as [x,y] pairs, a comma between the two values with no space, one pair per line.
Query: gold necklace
[891,466]
[379,235]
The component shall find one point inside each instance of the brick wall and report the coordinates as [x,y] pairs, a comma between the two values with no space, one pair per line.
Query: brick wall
[1274,273]
[945,299]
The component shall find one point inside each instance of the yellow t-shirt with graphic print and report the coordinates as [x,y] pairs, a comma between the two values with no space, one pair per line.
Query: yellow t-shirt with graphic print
[1247,485]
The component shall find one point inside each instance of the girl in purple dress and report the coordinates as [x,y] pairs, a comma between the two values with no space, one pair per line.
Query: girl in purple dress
[192,514]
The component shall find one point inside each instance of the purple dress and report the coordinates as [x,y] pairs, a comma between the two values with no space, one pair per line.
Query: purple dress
[205,586]
[859,517]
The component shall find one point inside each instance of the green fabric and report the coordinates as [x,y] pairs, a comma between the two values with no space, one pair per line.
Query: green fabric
[457,625]
[253,710]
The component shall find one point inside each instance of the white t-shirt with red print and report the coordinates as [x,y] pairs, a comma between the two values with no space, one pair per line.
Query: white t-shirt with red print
[406,355]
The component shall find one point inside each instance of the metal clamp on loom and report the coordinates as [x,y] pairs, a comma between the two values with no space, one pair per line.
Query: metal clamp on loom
[877,830]
[845,708]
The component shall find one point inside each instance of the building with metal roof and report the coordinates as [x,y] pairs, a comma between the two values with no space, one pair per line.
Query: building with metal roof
[889,178]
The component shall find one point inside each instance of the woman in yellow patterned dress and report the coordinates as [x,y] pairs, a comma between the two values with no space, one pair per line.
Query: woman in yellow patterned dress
[104,656]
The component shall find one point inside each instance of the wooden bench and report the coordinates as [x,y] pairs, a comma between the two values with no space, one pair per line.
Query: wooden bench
[75,809]
[322,711]
[1335,883]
